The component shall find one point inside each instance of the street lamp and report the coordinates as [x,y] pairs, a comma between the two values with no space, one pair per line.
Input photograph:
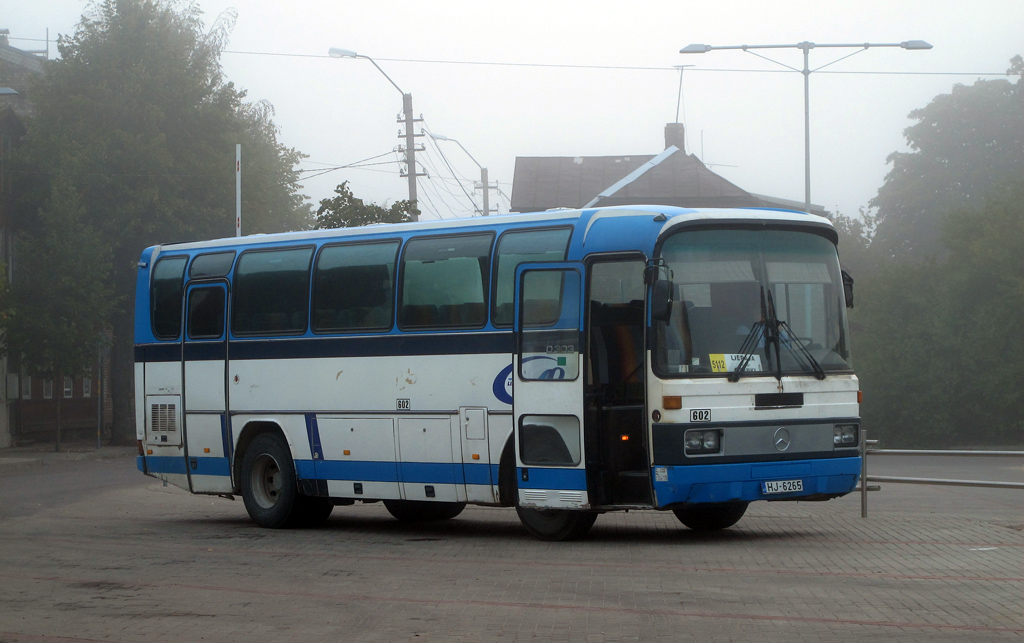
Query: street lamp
[806,47]
[483,171]
[410,136]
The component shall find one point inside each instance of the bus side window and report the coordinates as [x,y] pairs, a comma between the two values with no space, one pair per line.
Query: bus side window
[517,247]
[353,287]
[271,292]
[443,282]
[165,296]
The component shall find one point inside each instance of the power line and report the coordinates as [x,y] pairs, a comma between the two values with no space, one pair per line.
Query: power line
[673,68]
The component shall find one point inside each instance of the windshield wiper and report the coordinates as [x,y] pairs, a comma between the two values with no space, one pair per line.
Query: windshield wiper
[750,342]
[801,350]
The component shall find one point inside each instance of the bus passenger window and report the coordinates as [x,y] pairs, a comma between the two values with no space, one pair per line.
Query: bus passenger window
[206,313]
[271,292]
[515,248]
[165,297]
[353,287]
[443,282]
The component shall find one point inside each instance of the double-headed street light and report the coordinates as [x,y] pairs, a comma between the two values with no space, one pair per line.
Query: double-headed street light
[410,136]
[806,47]
[483,171]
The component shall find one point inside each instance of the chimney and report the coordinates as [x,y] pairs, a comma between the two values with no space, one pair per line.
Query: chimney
[675,135]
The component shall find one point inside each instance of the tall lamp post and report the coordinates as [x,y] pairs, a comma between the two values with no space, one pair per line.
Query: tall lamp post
[484,183]
[806,47]
[410,136]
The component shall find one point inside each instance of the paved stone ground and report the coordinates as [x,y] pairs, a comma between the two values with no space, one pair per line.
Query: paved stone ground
[150,563]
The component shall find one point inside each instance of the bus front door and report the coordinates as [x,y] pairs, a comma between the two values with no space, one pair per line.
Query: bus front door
[207,448]
[548,386]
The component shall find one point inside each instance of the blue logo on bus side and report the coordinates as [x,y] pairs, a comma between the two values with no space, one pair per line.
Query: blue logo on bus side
[502,387]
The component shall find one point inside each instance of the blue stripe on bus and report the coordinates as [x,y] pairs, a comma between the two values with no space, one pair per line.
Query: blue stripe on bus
[313,433]
[414,472]
[177,464]
[568,479]
[441,342]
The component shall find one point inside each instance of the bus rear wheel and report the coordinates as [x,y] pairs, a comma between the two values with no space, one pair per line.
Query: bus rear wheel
[711,517]
[423,511]
[556,524]
[269,489]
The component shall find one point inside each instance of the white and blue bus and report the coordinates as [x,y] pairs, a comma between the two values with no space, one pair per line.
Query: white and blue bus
[567,363]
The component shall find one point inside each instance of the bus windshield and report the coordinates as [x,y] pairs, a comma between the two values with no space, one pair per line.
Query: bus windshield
[737,290]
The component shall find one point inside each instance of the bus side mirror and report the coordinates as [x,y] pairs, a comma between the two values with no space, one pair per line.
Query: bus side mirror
[661,300]
[848,288]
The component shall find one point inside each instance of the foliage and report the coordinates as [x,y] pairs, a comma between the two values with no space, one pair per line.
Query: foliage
[962,145]
[939,345]
[137,116]
[855,234]
[60,298]
[348,211]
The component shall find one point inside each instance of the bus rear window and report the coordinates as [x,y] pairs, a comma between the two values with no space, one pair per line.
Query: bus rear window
[271,292]
[165,296]
[443,282]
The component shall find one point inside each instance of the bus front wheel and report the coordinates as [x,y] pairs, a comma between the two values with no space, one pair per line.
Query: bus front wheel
[711,517]
[269,489]
[556,524]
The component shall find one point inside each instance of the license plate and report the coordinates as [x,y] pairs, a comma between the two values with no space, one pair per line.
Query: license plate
[782,486]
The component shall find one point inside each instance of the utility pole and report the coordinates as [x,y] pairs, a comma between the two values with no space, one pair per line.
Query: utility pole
[410,147]
[485,187]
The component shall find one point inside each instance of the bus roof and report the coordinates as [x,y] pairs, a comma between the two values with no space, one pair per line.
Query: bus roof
[673,216]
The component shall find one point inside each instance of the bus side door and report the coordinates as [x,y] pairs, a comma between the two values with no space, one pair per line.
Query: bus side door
[548,386]
[204,359]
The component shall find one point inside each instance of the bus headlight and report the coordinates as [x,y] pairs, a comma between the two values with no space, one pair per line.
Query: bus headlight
[702,441]
[844,435]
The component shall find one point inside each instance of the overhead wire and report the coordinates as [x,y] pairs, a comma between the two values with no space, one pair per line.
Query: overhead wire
[622,67]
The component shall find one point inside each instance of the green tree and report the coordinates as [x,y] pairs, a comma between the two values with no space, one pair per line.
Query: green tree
[962,145]
[61,298]
[855,234]
[938,342]
[137,115]
[345,210]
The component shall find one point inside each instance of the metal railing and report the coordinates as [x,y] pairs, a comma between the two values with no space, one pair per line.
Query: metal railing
[865,449]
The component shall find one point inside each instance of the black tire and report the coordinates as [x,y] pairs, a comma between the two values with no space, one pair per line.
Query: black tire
[711,517]
[269,487]
[556,524]
[422,510]
[313,512]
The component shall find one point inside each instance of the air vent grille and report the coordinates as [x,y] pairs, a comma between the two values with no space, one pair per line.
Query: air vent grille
[164,417]
[776,400]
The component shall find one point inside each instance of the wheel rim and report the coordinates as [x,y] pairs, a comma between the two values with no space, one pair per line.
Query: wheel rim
[265,481]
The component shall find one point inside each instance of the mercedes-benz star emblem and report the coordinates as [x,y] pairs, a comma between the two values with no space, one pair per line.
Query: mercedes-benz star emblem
[781,439]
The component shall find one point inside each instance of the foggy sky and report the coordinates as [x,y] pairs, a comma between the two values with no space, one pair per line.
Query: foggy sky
[747,126]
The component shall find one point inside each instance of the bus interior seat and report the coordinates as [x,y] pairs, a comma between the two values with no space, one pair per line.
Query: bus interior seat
[617,348]
[420,315]
[541,311]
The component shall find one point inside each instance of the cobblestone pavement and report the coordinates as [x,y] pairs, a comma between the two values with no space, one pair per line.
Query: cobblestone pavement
[150,563]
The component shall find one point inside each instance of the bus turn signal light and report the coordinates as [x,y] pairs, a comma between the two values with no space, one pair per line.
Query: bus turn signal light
[672,402]
[860,397]
[625,438]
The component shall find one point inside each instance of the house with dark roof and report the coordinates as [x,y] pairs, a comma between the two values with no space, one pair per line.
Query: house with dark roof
[672,177]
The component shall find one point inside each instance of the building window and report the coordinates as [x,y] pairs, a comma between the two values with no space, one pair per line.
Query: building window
[26,387]
[48,388]
[69,386]
[87,383]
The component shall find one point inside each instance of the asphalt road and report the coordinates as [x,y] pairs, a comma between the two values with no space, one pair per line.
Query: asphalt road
[93,551]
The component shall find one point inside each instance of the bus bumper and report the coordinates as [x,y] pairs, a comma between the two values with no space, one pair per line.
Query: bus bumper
[693,484]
